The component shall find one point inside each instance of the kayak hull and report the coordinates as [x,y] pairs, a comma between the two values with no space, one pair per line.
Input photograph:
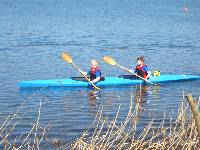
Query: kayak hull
[109,81]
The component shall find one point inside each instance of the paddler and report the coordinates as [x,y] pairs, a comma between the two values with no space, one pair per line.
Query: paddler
[141,69]
[94,73]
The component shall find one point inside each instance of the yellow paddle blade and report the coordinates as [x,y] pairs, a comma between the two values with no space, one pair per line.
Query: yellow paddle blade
[109,60]
[67,58]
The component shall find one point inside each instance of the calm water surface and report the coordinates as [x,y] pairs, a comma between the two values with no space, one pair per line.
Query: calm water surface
[33,34]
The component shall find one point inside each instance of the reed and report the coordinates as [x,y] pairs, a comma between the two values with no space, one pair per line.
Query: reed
[180,132]
[33,138]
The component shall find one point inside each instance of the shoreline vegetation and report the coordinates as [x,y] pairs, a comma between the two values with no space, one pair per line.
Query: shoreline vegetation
[180,132]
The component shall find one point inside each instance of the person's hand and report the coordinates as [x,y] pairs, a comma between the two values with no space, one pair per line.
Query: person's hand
[149,75]
[92,82]
[85,73]
[95,80]
[131,71]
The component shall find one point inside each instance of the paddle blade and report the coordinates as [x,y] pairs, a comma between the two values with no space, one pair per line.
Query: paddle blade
[67,58]
[109,60]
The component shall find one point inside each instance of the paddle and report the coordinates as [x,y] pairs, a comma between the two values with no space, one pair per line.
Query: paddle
[111,61]
[66,57]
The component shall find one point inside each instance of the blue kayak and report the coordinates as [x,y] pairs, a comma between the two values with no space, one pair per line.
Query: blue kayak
[107,81]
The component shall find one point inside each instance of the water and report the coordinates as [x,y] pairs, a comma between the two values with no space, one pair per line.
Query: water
[33,34]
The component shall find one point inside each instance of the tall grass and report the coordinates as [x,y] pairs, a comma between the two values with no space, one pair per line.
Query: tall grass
[109,134]
[32,138]
[104,133]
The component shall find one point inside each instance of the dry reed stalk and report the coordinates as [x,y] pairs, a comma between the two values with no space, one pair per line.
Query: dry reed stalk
[36,126]
[179,134]
[111,126]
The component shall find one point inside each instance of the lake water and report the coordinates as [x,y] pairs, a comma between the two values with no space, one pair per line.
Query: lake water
[33,35]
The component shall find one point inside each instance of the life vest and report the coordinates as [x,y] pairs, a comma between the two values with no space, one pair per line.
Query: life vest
[93,72]
[140,71]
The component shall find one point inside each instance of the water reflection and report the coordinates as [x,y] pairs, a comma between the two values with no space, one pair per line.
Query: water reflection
[156,91]
[77,108]
[94,98]
[143,94]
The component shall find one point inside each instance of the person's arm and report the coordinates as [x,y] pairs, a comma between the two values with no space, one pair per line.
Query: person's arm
[131,70]
[96,80]
[98,77]
[148,72]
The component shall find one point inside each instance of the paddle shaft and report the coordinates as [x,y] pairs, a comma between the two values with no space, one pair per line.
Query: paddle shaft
[85,77]
[133,73]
